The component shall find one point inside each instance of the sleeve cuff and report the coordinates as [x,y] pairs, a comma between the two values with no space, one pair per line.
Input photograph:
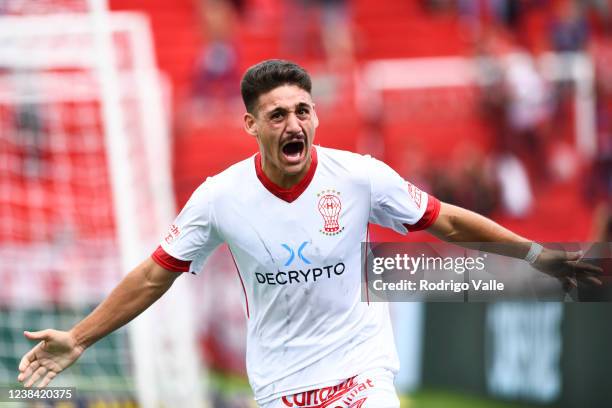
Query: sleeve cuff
[163,259]
[429,217]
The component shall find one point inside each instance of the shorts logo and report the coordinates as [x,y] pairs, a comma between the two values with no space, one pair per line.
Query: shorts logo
[330,206]
[173,233]
[344,395]
[415,194]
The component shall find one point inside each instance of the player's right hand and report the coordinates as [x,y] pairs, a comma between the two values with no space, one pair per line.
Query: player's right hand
[56,351]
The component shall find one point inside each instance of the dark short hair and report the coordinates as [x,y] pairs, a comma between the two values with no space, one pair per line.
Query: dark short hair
[267,75]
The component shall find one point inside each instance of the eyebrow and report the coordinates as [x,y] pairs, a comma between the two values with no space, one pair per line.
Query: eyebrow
[284,110]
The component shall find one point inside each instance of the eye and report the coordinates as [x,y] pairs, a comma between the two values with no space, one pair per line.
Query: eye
[303,112]
[276,116]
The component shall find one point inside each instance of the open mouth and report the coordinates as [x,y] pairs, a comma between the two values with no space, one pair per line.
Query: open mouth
[293,150]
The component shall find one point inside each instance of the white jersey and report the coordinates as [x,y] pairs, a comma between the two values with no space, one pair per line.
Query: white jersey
[298,255]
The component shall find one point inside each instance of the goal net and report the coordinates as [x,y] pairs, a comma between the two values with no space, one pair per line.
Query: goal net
[85,195]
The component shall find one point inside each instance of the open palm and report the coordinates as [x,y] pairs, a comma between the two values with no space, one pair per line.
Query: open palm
[56,351]
[568,268]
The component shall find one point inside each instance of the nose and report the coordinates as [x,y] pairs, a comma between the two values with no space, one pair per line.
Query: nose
[293,123]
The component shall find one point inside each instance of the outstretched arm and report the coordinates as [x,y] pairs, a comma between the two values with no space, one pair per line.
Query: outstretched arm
[57,350]
[464,227]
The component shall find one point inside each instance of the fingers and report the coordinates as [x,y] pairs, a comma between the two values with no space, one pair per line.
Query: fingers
[28,371]
[592,280]
[583,267]
[586,273]
[41,371]
[47,379]
[27,359]
[569,283]
[574,256]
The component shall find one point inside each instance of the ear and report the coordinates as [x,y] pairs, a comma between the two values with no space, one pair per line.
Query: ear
[250,124]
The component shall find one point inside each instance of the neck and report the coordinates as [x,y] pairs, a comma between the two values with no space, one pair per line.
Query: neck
[282,179]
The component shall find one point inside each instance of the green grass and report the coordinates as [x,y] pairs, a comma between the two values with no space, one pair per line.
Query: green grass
[447,399]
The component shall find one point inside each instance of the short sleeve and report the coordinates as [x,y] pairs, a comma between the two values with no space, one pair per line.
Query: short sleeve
[192,237]
[396,203]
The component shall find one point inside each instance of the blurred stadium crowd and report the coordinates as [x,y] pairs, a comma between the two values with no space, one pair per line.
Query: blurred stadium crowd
[510,138]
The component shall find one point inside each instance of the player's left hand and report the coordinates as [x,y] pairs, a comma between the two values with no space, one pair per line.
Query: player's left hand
[568,268]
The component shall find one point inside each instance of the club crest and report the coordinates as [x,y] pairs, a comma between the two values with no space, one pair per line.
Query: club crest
[329,207]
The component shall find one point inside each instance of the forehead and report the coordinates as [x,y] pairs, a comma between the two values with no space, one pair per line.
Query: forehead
[285,96]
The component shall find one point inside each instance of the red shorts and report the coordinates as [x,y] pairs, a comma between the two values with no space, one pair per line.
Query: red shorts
[371,389]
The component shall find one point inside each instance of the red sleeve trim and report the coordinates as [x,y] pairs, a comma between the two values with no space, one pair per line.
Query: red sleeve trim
[429,217]
[168,262]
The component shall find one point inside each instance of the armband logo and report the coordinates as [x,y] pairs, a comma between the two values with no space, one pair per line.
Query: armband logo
[415,194]
[173,233]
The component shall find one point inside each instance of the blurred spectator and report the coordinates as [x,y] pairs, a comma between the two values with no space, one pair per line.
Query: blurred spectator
[569,29]
[516,194]
[600,11]
[516,101]
[475,184]
[528,95]
[333,25]
[214,86]
[30,133]
[529,112]
[513,98]
[471,183]
[602,223]
[442,186]
[29,125]
[599,181]
[217,71]
[481,15]
[438,6]
[493,96]
[506,12]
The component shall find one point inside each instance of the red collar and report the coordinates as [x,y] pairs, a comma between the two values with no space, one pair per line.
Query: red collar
[291,194]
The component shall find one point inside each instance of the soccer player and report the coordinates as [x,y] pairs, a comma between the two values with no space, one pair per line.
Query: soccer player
[294,216]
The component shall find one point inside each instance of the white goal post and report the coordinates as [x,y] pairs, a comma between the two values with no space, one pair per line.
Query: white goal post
[100,64]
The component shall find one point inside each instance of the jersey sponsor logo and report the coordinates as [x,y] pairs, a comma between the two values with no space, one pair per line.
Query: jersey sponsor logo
[329,207]
[300,275]
[292,254]
[173,233]
[415,194]
[341,395]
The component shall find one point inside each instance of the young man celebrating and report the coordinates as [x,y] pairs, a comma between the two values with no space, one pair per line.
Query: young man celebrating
[294,216]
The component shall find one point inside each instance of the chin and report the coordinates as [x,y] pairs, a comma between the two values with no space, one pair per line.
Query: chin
[294,169]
